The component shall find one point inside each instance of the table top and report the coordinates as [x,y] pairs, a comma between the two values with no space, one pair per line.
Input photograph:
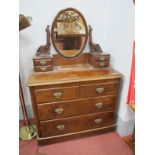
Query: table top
[71,73]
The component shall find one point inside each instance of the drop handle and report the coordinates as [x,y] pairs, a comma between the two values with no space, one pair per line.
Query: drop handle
[98,120]
[101,59]
[57,94]
[99,90]
[42,62]
[59,110]
[101,64]
[61,127]
[43,68]
[99,105]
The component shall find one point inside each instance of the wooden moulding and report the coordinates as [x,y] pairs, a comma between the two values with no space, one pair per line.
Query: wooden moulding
[53,27]
[61,138]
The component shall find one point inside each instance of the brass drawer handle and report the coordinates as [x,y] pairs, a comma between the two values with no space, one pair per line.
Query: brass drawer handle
[98,120]
[43,68]
[57,94]
[102,64]
[42,62]
[61,127]
[99,90]
[59,110]
[101,59]
[99,105]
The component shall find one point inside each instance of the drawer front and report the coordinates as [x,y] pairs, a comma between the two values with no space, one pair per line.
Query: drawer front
[100,89]
[43,68]
[101,64]
[42,62]
[57,110]
[56,94]
[102,58]
[76,124]
[97,120]
[70,108]
[97,104]
[59,127]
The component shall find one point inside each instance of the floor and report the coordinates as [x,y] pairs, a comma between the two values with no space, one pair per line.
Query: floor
[105,144]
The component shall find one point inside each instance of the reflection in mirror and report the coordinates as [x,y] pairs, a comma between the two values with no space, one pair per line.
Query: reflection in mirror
[69,33]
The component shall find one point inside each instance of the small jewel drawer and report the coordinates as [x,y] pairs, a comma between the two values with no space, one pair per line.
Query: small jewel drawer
[42,62]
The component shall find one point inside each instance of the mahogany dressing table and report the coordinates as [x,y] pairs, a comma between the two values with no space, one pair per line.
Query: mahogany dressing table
[73,94]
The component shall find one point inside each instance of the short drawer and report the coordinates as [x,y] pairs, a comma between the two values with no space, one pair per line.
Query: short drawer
[97,104]
[42,62]
[43,68]
[102,58]
[56,94]
[97,120]
[101,64]
[56,110]
[59,127]
[100,89]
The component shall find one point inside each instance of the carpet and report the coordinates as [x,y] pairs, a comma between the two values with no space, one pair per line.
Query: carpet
[105,144]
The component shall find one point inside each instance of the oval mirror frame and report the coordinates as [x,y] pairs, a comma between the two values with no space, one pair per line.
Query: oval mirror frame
[86,32]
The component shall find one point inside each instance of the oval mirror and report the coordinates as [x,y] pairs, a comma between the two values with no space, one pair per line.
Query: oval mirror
[69,33]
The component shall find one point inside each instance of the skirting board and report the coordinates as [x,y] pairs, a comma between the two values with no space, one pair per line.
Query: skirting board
[124,128]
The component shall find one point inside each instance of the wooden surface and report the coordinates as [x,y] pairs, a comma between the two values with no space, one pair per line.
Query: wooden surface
[72,73]
[74,100]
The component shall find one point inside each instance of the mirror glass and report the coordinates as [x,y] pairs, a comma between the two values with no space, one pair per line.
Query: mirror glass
[69,33]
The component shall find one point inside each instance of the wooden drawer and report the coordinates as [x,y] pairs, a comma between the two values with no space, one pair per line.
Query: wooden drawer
[43,68]
[42,62]
[57,110]
[102,58]
[59,127]
[56,94]
[101,64]
[76,124]
[93,121]
[97,104]
[71,108]
[100,89]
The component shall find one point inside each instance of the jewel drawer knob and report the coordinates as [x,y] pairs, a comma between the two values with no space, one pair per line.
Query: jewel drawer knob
[98,120]
[99,90]
[57,94]
[101,59]
[59,110]
[99,105]
[43,68]
[42,62]
[102,64]
[61,127]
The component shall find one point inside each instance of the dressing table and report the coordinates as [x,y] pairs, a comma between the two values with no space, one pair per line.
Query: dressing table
[73,93]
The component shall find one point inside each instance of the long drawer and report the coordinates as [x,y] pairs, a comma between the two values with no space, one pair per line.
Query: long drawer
[75,124]
[56,94]
[71,108]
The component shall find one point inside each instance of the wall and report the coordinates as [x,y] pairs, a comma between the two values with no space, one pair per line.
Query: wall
[113,28]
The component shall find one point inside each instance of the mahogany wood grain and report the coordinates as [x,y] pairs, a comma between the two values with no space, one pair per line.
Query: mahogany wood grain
[72,76]
[43,68]
[59,60]
[76,135]
[47,95]
[108,88]
[76,107]
[75,124]
[42,62]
